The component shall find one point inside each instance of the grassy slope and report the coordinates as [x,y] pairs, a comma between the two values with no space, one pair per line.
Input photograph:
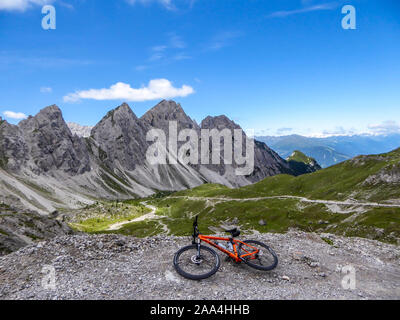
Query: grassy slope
[279,215]
[299,156]
[338,183]
[99,217]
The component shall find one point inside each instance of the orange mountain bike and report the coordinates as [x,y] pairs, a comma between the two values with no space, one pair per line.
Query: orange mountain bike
[197,261]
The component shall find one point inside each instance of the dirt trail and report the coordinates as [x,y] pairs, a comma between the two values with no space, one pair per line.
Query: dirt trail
[148,216]
[303,199]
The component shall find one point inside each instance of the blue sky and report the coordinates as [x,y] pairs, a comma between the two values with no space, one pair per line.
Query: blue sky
[278,67]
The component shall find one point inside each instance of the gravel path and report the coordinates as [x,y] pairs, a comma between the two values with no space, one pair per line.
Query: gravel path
[118,267]
[303,199]
[150,215]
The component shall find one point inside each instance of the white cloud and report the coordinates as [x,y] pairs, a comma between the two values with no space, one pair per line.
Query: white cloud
[176,41]
[281,131]
[181,56]
[222,40]
[65,5]
[15,115]
[21,5]
[386,127]
[11,58]
[166,3]
[156,89]
[263,132]
[159,48]
[319,7]
[161,52]
[46,90]
[337,131]
[333,132]
[141,67]
[156,56]
[169,52]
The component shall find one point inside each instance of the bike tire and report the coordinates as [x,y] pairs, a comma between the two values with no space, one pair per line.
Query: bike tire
[215,262]
[269,254]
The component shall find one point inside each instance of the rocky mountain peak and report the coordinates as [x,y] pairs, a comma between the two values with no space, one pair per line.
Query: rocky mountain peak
[112,162]
[165,107]
[121,116]
[121,112]
[121,136]
[44,143]
[219,122]
[50,117]
[52,112]
[166,111]
[124,109]
[50,109]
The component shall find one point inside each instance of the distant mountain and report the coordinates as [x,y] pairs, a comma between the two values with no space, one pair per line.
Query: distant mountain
[332,150]
[79,130]
[302,162]
[45,166]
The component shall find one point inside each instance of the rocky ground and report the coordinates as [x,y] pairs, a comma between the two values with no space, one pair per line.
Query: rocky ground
[118,267]
[19,228]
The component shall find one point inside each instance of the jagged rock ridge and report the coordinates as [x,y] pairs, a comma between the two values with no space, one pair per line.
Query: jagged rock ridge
[44,166]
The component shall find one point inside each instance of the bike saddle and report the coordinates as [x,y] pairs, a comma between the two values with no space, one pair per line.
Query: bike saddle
[234,232]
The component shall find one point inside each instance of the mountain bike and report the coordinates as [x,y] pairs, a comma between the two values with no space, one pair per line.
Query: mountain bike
[197,261]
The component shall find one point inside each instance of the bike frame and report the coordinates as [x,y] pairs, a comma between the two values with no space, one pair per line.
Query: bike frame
[234,255]
[198,237]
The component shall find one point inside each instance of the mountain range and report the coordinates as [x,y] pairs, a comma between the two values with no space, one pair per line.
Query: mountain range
[332,150]
[45,167]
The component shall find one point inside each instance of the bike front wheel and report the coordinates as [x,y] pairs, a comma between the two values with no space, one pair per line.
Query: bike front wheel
[265,259]
[195,264]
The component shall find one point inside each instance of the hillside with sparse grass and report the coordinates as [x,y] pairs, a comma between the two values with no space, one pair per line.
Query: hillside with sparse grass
[300,161]
[359,197]
[364,178]
[102,214]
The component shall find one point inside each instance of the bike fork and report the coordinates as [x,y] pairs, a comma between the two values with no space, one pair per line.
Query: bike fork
[198,250]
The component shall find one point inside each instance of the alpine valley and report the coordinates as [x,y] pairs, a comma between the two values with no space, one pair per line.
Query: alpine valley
[44,167]
[59,179]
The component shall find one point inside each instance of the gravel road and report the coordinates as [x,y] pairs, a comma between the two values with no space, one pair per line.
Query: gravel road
[118,267]
[150,215]
[302,199]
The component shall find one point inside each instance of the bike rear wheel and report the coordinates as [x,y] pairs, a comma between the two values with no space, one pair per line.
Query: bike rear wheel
[189,264]
[266,259]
